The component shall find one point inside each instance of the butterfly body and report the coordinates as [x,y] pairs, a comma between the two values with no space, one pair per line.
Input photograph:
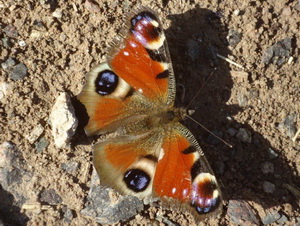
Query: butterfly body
[150,154]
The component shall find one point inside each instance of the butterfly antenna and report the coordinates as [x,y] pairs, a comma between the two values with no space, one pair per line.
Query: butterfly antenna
[229,145]
[201,88]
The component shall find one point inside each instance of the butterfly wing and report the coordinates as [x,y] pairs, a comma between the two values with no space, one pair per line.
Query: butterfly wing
[183,176]
[141,57]
[166,163]
[110,101]
[138,77]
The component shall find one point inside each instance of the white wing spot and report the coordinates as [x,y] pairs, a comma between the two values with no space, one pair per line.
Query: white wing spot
[140,90]
[126,53]
[161,154]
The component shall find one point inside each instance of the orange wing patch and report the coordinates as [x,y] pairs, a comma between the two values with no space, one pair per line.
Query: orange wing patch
[174,166]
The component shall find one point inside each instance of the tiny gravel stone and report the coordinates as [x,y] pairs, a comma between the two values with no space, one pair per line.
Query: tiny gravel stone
[57,13]
[272,154]
[271,217]
[41,144]
[232,132]
[10,62]
[278,53]
[233,37]
[109,209]
[91,6]
[267,167]
[70,167]
[242,99]
[68,216]
[18,72]
[35,133]
[50,197]
[283,219]
[244,135]
[268,187]
[193,49]
[7,42]
[22,43]
[4,88]
[241,213]
[288,126]
[11,31]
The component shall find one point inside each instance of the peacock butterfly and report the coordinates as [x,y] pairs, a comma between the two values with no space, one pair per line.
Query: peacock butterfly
[148,152]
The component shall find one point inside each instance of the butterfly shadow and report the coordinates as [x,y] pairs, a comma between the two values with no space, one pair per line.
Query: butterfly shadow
[245,171]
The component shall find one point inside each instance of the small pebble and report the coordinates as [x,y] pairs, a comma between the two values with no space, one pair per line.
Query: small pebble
[236,12]
[7,42]
[241,213]
[278,53]
[63,120]
[233,37]
[244,135]
[4,87]
[41,145]
[288,126]
[50,197]
[232,132]
[18,72]
[22,43]
[10,62]
[91,6]
[242,99]
[70,167]
[11,31]
[271,217]
[68,216]
[57,13]
[272,154]
[267,167]
[268,187]
[35,133]
[283,219]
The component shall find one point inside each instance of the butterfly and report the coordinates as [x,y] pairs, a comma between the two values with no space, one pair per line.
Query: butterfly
[146,151]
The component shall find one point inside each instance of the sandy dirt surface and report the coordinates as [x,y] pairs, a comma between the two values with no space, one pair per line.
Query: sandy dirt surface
[48,46]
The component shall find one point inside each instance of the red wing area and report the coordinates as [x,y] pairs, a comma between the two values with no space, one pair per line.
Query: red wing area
[183,174]
[143,59]
[136,67]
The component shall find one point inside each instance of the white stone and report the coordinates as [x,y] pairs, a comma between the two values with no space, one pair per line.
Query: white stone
[63,120]
[3,89]
[35,133]
[5,154]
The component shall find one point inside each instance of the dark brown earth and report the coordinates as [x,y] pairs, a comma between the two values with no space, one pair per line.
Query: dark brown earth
[255,108]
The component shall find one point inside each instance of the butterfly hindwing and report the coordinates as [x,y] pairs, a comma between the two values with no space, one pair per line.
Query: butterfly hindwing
[183,176]
[166,163]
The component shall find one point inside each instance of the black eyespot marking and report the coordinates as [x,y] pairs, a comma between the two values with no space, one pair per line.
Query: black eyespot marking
[143,15]
[151,157]
[106,82]
[136,180]
[189,150]
[196,169]
[157,55]
[163,74]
